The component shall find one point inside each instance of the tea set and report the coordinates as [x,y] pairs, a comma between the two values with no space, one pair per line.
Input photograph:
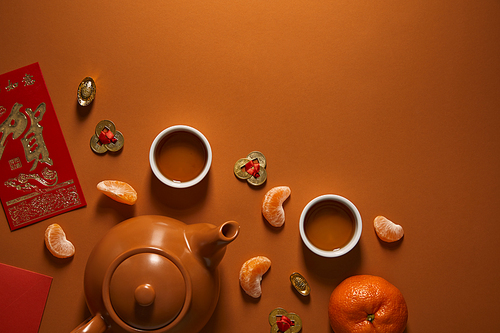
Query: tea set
[156,274]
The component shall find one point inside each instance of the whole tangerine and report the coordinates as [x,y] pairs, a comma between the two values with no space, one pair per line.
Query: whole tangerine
[367,303]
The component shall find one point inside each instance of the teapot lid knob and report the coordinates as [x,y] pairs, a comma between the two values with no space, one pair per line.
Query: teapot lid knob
[145,294]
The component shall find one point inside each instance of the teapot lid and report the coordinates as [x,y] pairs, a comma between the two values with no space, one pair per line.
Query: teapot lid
[147,291]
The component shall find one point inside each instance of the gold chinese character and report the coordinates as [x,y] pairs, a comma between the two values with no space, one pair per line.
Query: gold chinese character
[28,80]
[15,124]
[33,143]
[15,163]
[11,86]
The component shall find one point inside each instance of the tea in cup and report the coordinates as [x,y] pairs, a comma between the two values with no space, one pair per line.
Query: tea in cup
[330,225]
[180,156]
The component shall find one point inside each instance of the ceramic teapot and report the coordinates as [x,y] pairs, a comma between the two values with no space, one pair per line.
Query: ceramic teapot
[155,274]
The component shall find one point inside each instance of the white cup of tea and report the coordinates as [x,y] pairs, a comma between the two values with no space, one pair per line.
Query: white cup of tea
[180,156]
[330,225]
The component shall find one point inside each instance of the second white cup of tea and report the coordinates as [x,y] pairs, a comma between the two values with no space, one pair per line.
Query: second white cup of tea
[330,225]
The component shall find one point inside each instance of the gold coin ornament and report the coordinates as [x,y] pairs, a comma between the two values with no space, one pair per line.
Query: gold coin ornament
[116,144]
[259,179]
[252,168]
[300,283]
[259,156]
[96,145]
[283,322]
[239,169]
[86,91]
[106,138]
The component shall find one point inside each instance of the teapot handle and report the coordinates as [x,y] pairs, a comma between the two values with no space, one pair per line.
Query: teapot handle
[96,324]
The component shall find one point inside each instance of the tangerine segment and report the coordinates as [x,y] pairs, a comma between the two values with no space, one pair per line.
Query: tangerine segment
[367,303]
[272,205]
[251,275]
[118,191]
[387,230]
[56,242]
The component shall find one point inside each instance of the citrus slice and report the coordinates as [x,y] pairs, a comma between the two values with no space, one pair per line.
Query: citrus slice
[272,205]
[56,242]
[387,230]
[118,191]
[251,275]
[367,303]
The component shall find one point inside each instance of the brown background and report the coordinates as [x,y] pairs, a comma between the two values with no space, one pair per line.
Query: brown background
[392,104]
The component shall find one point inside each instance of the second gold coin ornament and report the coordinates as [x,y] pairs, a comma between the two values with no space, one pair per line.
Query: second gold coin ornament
[252,168]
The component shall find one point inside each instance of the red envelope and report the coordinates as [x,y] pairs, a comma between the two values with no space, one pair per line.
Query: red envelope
[23,295]
[37,177]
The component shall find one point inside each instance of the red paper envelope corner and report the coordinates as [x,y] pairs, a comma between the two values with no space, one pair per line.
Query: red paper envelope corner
[37,176]
[23,295]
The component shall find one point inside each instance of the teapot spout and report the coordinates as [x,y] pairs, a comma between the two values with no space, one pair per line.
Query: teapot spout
[209,242]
